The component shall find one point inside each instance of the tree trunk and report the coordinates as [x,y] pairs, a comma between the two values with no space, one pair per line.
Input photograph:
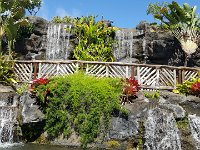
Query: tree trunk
[186,60]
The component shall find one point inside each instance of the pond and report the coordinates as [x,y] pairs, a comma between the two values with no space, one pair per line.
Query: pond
[35,147]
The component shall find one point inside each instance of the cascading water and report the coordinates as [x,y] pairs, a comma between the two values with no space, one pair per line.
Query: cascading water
[124,44]
[8,121]
[57,44]
[161,132]
[128,42]
[194,122]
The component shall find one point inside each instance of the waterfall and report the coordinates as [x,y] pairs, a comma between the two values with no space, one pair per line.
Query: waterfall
[8,121]
[161,132]
[124,46]
[194,122]
[129,44]
[57,42]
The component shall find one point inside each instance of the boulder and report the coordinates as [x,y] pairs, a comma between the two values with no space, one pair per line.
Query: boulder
[34,43]
[40,25]
[31,112]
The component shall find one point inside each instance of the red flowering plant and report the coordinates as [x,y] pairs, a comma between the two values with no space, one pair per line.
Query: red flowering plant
[130,89]
[195,89]
[189,87]
[38,88]
[39,81]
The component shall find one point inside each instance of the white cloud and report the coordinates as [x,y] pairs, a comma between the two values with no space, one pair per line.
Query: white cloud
[62,12]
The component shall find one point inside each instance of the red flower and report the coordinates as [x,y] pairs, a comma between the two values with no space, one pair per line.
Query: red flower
[195,89]
[132,86]
[41,81]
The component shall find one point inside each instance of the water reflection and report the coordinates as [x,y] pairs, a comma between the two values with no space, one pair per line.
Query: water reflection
[35,147]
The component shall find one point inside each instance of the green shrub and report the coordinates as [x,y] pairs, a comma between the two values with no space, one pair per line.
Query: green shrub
[22,88]
[6,70]
[189,87]
[152,95]
[81,102]
[94,39]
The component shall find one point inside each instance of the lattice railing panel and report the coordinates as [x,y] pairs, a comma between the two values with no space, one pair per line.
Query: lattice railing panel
[119,71]
[23,71]
[167,77]
[148,76]
[189,74]
[65,69]
[98,70]
[47,70]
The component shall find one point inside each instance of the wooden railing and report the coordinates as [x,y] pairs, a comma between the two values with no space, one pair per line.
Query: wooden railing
[149,76]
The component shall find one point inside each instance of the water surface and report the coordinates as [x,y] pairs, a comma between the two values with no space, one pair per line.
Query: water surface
[35,147]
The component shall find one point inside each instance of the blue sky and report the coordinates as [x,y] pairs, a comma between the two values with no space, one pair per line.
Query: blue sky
[123,13]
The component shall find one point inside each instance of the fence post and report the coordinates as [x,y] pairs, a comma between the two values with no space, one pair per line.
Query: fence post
[183,76]
[35,68]
[57,68]
[157,86]
[138,74]
[174,71]
[179,76]
[77,66]
[132,72]
[107,70]
[81,66]
[127,72]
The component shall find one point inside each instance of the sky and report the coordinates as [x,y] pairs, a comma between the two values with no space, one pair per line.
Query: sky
[123,13]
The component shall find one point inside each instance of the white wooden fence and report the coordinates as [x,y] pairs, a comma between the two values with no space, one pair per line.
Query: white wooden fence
[149,76]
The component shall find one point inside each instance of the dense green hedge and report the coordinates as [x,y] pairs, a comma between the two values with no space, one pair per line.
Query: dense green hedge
[81,102]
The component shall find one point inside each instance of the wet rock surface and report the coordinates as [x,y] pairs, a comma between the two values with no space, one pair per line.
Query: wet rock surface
[164,123]
[30,110]
[32,46]
[161,132]
[10,132]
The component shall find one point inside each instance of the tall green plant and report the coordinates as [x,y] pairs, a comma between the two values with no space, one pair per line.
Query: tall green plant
[7,76]
[12,14]
[80,102]
[94,40]
[183,21]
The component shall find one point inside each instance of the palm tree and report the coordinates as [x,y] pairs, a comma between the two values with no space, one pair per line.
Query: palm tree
[183,22]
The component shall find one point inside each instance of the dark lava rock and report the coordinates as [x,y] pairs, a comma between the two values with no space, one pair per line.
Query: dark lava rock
[30,110]
[40,25]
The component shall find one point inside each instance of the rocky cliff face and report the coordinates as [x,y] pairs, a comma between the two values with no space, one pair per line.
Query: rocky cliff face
[10,131]
[144,44]
[147,44]
[32,47]
[169,122]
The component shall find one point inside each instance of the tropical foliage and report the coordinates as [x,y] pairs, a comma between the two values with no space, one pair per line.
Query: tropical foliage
[66,19]
[189,87]
[12,14]
[131,87]
[79,102]
[7,76]
[93,39]
[183,21]
[130,90]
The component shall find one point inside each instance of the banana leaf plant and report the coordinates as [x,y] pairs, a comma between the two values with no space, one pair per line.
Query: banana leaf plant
[12,16]
[93,40]
[182,21]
